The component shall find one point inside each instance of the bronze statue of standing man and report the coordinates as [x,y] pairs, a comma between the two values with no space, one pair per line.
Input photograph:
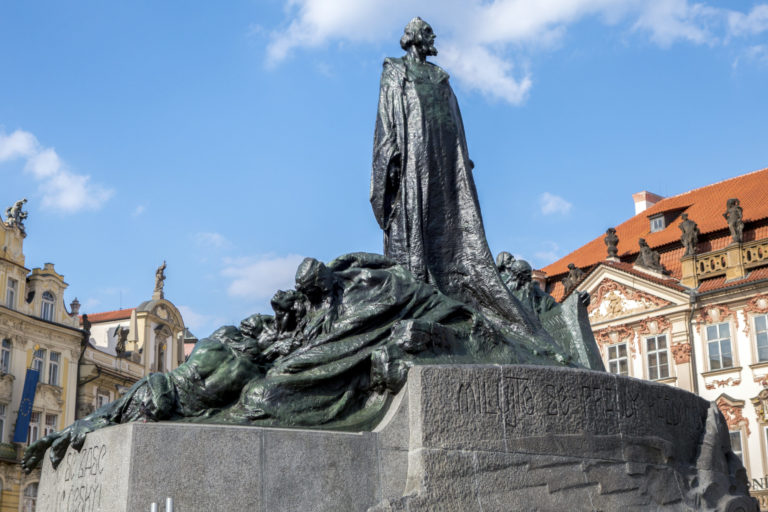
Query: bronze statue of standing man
[422,190]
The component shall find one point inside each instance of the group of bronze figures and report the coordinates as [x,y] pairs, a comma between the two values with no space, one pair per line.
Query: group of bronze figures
[340,344]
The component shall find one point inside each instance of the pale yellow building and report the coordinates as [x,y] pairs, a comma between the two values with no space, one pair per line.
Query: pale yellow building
[126,345]
[36,330]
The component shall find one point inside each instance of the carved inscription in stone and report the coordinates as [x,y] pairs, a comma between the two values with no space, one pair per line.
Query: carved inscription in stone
[83,483]
[540,409]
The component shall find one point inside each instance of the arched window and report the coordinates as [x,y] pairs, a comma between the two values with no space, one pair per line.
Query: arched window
[5,357]
[46,312]
[30,498]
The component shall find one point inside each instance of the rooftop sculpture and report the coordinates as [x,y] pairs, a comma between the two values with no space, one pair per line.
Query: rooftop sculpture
[648,258]
[733,214]
[612,243]
[15,215]
[690,235]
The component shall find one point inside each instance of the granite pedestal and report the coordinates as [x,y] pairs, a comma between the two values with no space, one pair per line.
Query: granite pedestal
[456,438]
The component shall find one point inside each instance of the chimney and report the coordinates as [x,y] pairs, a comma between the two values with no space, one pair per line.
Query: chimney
[644,200]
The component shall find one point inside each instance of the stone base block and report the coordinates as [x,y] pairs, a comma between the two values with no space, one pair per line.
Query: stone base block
[456,438]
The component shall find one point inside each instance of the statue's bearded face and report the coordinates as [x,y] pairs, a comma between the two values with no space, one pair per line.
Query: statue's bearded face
[419,34]
[426,40]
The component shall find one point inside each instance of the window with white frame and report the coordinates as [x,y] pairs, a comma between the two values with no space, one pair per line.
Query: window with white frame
[761,337]
[50,423]
[658,357]
[618,362]
[11,289]
[46,307]
[5,356]
[736,444]
[33,431]
[38,360]
[54,359]
[719,346]
[2,423]
[30,498]
[102,399]
[657,223]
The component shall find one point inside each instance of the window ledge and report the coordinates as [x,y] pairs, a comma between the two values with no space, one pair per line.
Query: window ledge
[757,366]
[666,380]
[722,371]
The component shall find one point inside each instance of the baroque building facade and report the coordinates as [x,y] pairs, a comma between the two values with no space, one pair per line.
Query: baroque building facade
[36,331]
[679,294]
[128,344]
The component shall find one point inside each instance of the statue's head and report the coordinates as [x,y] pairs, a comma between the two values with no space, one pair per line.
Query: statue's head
[685,216]
[571,266]
[732,202]
[521,271]
[610,231]
[314,279]
[504,260]
[418,33]
[642,243]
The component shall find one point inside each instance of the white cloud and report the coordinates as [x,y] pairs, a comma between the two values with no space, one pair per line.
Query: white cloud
[61,189]
[671,20]
[211,240]
[18,144]
[260,277]
[483,42]
[754,23]
[551,204]
[138,210]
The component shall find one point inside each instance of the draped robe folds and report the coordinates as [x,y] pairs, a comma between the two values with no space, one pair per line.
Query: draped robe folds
[424,197]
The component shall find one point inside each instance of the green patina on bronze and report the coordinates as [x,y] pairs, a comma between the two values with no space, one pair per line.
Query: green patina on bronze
[340,345]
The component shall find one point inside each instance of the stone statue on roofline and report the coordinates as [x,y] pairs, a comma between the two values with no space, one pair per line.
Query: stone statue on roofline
[648,258]
[575,275]
[690,235]
[159,281]
[612,243]
[15,216]
[733,214]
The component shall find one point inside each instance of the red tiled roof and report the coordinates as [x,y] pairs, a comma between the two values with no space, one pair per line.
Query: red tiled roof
[558,289]
[704,205]
[108,316]
[718,283]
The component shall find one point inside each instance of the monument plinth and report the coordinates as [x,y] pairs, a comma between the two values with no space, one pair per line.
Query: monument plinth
[456,438]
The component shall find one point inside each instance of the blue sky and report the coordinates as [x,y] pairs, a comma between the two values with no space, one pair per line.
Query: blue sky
[232,139]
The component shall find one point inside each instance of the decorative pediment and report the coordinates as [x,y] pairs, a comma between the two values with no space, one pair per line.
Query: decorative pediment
[48,397]
[714,314]
[756,305]
[653,325]
[6,387]
[732,410]
[612,299]
[161,312]
[761,406]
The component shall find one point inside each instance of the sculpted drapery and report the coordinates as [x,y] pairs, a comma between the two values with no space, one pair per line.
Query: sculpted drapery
[423,194]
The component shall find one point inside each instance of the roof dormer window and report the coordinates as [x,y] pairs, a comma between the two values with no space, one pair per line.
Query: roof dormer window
[657,223]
